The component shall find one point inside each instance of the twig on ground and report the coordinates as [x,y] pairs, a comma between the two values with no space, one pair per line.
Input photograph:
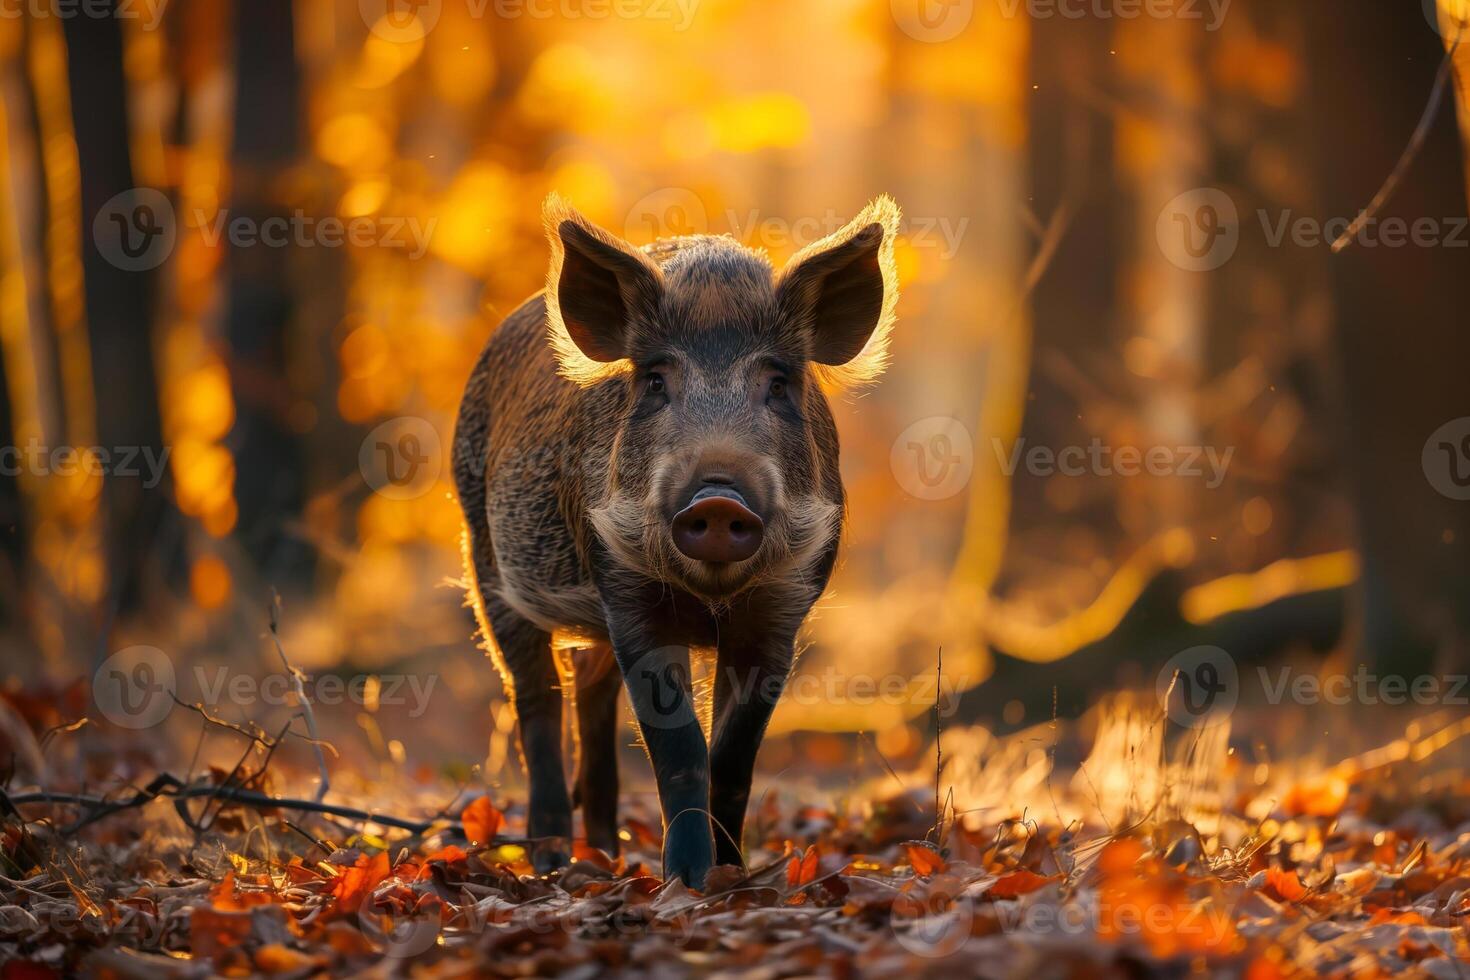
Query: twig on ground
[168,787]
[938,750]
[297,678]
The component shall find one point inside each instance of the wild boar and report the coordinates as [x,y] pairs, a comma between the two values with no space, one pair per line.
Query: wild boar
[647,462]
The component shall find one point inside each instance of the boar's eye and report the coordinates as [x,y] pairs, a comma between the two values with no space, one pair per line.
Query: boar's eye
[655,393]
[776,388]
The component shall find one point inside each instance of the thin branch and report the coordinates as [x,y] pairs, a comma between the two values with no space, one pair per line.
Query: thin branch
[168,787]
[1410,154]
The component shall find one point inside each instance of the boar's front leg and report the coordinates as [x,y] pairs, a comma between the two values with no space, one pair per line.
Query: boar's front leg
[658,683]
[526,650]
[749,676]
[598,685]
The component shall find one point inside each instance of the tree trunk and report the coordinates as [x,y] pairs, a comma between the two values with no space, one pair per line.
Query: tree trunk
[270,482]
[119,302]
[1402,346]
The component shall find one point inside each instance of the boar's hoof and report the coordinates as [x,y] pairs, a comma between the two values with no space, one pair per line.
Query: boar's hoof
[718,527]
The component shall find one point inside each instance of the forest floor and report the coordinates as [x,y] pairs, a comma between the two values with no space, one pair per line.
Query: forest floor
[1111,848]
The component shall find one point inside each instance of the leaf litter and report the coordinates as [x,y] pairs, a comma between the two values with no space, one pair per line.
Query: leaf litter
[1155,852]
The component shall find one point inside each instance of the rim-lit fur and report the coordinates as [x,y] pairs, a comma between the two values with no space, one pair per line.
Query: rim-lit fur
[640,382]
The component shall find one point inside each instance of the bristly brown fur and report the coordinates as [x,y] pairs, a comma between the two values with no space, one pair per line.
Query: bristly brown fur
[869,365]
[570,465]
[865,369]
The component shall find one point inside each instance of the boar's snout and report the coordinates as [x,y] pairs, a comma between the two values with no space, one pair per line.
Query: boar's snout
[717,526]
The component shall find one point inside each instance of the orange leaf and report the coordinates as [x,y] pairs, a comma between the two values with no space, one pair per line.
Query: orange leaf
[802,870]
[27,970]
[214,934]
[276,958]
[924,859]
[582,851]
[1263,969]
[1286,885]
[448,855]
[226,896]
[358,881]
[1322,796]
[481,820]
[1017,883]
[1120,857]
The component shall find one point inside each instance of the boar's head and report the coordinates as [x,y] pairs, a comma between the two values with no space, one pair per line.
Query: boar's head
[723,468]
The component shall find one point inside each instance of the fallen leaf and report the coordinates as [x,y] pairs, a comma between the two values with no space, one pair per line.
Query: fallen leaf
[803,870]
[1285,885]
[1018,883]
[358,881]
[482,821]
[1321,796]
[924,859]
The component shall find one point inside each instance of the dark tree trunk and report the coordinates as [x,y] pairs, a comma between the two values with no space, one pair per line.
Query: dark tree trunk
[12,536]
[270,483]
[1402,346]
[120,305]
[1071,165]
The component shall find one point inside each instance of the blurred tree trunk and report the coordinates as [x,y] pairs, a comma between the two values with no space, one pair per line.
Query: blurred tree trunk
[1163,152]
[119,303]
[1401,341]
[270,482]
[1072,164]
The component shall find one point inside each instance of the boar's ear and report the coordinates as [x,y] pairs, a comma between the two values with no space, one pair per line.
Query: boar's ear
[846,288]
[597,287]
